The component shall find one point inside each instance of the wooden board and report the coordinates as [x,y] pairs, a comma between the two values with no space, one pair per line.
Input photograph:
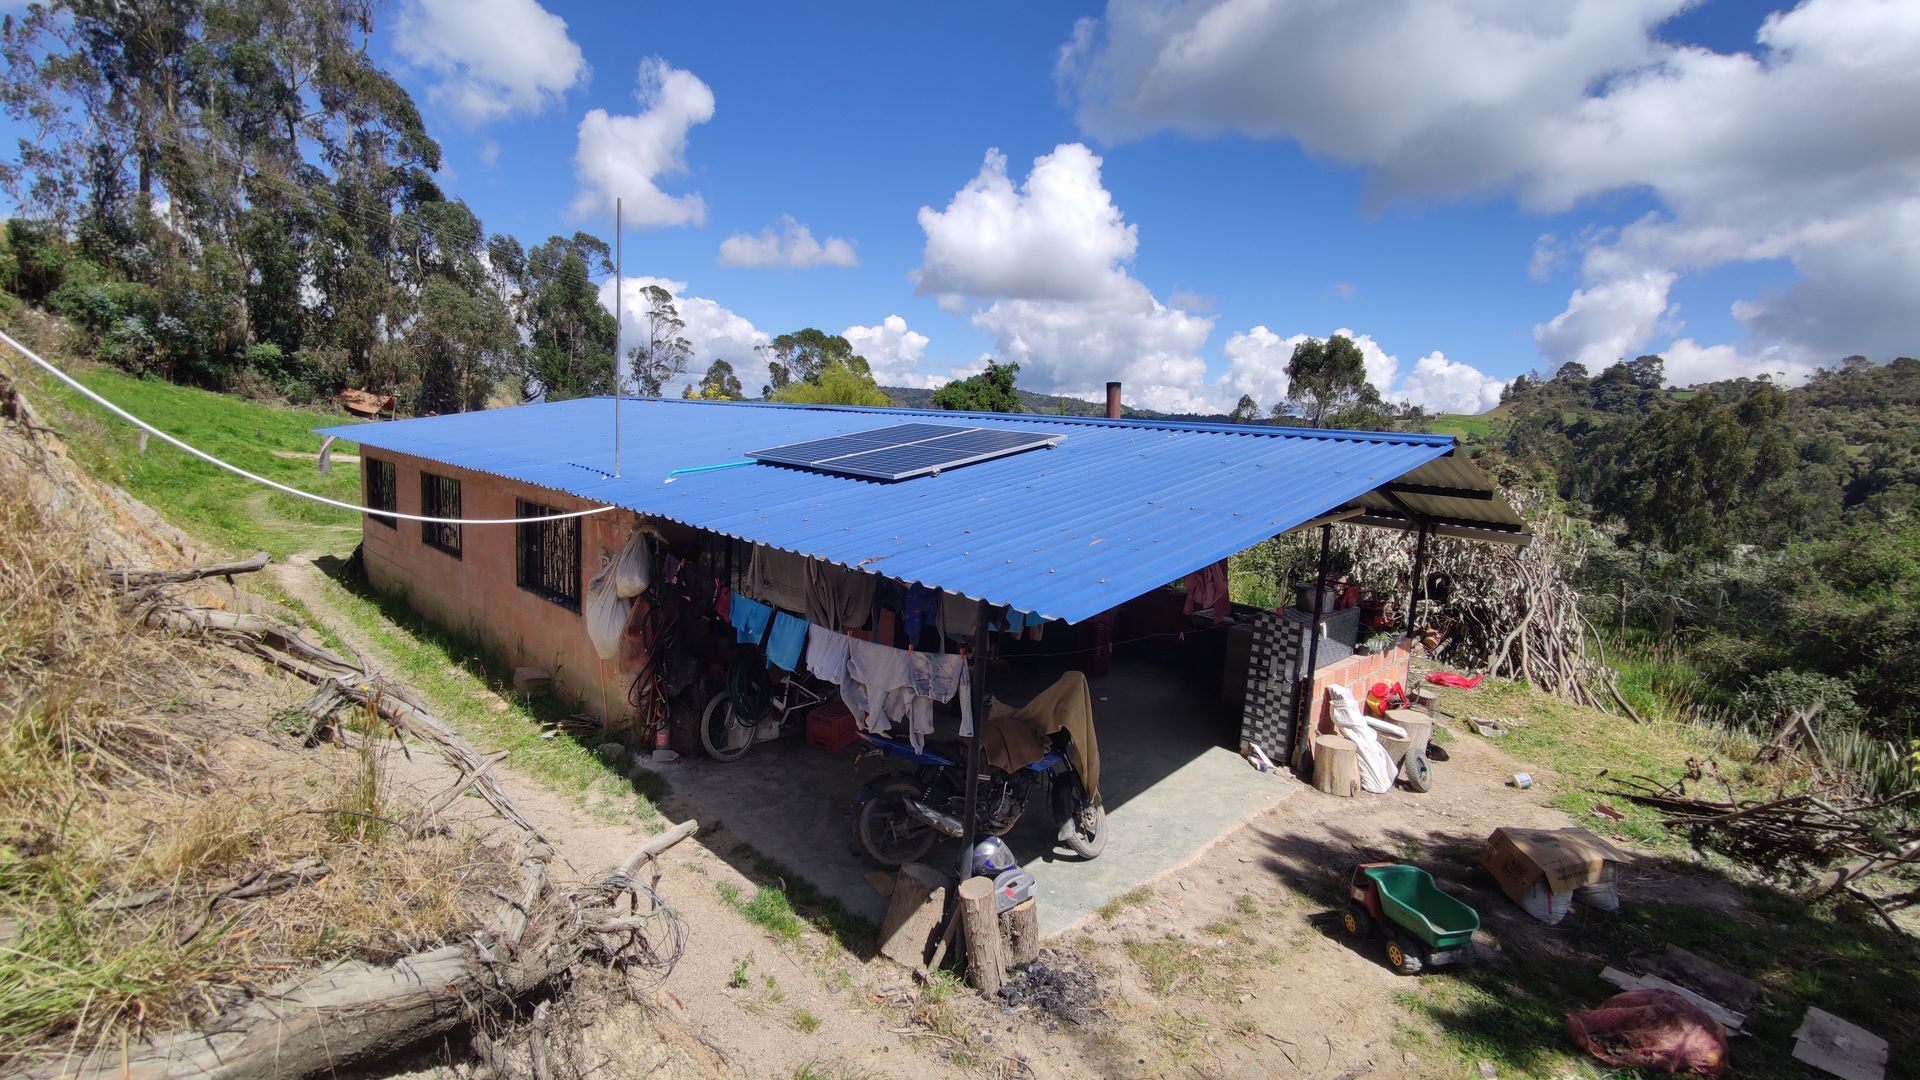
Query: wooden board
[1675,964]
[1829,1043]
[1626,980]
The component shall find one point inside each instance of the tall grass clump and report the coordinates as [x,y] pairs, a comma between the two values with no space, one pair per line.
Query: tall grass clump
[75,682]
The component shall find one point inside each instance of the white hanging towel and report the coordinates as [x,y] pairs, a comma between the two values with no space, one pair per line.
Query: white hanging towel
[1377,771]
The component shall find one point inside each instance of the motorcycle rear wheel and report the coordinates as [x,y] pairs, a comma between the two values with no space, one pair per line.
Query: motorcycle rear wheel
[888,835]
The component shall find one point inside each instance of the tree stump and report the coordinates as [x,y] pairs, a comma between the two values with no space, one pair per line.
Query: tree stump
[986,968]
[1020,933]
[913,915]
[1336,765]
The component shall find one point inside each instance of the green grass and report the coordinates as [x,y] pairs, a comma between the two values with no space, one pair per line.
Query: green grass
[206,501]
[1584,748]
[1131,898]
[1463,426]
[1512,1011]
[460,679]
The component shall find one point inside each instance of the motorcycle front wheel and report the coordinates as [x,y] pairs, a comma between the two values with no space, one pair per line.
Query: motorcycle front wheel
[888,835]
[1086,833]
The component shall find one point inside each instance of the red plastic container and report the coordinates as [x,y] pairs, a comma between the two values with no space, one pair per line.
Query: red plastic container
[831,728]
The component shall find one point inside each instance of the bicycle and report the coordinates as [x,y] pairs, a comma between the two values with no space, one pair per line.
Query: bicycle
[732,719]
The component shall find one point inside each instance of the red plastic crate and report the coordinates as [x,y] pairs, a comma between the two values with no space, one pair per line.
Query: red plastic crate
[831,728]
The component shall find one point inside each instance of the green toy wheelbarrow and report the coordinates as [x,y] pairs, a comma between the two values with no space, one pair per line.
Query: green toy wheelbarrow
[1424,927]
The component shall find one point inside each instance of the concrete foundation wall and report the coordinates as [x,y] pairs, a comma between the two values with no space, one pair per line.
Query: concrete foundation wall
[478,593]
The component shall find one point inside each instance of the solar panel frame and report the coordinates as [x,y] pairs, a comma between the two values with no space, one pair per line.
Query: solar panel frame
[903,451]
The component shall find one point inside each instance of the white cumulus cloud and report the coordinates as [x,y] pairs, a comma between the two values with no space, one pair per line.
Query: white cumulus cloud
[1444,385]
[1607,321]
[491,58]
[793,246]
[1057,236]
[714,331]
[624,156]
[1048,259]
[894,351]
[1803,148]
[1257,366]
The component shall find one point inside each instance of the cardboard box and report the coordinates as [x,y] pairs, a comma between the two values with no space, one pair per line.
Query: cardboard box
[1567,858]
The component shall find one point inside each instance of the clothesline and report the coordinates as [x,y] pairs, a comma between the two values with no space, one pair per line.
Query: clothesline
[236,470]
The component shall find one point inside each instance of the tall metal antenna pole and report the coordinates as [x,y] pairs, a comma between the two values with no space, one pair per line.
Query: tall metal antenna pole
[618,287]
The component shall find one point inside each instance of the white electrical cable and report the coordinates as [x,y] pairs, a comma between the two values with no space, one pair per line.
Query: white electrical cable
[257,478]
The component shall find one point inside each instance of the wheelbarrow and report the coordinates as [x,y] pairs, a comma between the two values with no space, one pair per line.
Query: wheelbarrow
[1424,927]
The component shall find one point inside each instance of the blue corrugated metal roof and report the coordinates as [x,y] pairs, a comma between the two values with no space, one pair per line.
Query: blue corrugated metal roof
[1119,507]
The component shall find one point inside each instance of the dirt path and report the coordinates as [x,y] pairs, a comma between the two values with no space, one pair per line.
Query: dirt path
[772,1008]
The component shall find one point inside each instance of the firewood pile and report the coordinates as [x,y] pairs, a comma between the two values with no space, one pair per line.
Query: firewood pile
[1830,843]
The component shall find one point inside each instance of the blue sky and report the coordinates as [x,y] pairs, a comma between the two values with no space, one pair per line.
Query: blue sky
[1479,187]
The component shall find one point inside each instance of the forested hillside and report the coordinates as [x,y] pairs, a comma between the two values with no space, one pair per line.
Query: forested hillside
[1765,537]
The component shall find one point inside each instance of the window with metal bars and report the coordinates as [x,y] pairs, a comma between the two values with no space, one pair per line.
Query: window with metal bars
[381,491]
[440,497]
[548,554]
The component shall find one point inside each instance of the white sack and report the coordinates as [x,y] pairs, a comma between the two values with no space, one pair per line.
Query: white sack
[632,569]
[606,612]
[1377,771]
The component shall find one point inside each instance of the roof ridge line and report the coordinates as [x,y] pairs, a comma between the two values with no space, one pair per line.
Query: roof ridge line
[1148,423]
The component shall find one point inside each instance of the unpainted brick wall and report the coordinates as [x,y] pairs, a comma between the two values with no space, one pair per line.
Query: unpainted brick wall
[478,593]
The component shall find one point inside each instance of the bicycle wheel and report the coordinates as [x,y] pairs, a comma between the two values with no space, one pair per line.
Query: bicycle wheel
[723,734]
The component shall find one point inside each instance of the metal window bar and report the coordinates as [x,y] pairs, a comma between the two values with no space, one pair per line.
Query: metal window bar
[440,497]
[547,555]
[382,492]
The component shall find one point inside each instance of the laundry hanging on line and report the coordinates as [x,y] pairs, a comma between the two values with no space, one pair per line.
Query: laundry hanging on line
[883,686]
[749,620]
[778,578]
[785,642]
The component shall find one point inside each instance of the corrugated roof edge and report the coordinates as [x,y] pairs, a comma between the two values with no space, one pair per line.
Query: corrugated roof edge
[1338,434]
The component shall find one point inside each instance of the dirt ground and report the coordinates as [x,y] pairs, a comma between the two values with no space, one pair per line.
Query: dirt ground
[1233,965]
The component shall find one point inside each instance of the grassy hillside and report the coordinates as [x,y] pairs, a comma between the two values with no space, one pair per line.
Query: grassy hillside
[275,441]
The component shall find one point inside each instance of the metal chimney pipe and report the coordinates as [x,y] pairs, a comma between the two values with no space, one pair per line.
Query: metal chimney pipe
[1113,401]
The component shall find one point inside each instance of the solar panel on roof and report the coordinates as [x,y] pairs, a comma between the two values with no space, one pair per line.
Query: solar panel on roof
[904,450]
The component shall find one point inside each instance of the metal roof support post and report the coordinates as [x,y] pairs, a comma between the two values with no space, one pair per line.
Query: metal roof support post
[1303,706]
[1419,572]
[979,692]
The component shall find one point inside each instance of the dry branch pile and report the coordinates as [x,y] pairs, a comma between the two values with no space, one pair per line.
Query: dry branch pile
[1831,844]
[355,1011]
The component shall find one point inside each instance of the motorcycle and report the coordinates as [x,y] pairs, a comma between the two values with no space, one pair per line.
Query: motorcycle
[900,816]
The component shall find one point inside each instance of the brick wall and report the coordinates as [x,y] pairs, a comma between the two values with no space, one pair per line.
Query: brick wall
[478,593]
[1358,674]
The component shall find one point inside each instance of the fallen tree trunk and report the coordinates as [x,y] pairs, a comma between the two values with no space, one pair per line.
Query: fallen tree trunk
[354,1012]
[128,580]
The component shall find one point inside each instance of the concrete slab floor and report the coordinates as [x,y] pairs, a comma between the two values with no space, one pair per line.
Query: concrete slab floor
[1169,786]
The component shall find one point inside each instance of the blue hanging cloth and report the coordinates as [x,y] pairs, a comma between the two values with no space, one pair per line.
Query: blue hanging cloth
[749,618]
[789,637]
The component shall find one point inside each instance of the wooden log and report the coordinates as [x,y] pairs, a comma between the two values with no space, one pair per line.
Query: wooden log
[1020,933]
[353,1011]
[1336,765]
[130,579]
[657,844]
[980,922]
[913,915]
